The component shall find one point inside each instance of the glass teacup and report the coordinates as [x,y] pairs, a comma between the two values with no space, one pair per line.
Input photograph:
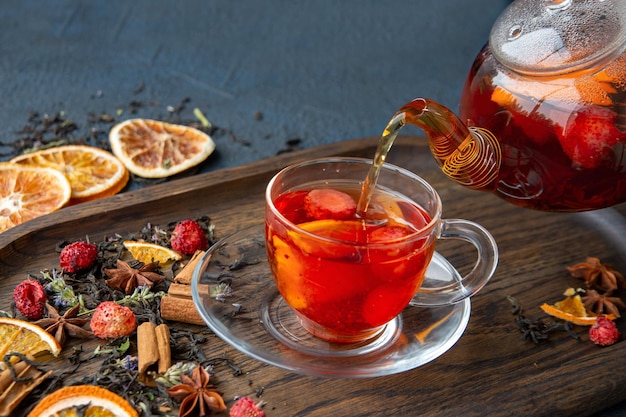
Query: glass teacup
[347,274]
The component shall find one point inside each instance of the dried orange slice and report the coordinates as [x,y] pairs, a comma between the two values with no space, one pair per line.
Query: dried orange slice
[572,309]
[26,193]
[154,149]
[24,337]
[149,252]
[92,172]
[85,401]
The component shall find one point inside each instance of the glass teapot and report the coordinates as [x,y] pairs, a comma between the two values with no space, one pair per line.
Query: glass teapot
[543,111]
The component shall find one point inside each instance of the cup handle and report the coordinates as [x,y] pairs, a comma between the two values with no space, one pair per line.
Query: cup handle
[456,288]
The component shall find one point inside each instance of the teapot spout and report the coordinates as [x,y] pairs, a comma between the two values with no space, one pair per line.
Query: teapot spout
[470,156]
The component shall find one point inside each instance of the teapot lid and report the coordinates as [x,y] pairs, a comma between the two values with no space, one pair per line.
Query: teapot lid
[548,37]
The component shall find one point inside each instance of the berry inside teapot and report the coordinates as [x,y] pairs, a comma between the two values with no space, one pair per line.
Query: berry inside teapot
[551,86]
[543,110]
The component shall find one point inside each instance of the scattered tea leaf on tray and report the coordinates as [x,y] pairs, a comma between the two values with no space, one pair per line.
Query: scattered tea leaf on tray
[538,329]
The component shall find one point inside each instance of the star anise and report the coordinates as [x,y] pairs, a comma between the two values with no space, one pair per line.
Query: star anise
[597,275]
[60,326]
[602,303]
[196,397]
[126,278]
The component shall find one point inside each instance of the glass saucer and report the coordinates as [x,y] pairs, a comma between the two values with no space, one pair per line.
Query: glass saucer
[253,317]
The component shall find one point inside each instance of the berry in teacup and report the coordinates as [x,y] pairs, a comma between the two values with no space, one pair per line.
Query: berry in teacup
[329,204]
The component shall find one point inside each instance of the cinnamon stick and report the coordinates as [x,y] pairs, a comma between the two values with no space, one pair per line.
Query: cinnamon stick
[163,345]
[185,274]
[5,377]
[148,353]
[184,291]
[154,351]
[12,392]
[178,304]
[180,309]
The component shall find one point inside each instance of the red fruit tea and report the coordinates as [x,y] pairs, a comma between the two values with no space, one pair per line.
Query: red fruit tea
[345,275]
[563,138]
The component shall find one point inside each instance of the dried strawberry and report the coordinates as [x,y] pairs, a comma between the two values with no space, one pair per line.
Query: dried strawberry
[246,407]
[78,256]
[388,233]
[590,136]
[322,204]
[604,332]
[189,237]
[30,299]
[111,320]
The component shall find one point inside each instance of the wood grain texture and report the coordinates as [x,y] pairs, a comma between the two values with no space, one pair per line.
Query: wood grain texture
[490,371]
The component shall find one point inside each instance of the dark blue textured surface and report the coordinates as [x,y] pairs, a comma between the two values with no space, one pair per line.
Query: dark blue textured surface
[321,71]
[318,71]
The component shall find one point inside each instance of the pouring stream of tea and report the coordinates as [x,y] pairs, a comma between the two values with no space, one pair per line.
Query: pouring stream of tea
[384,145]
[469,156]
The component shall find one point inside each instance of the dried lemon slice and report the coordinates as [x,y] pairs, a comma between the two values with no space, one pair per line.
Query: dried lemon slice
[93,173]
[154,149]
[85,401]
[26,193]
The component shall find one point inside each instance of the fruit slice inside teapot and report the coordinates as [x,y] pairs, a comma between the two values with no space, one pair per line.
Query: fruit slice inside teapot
[542,118]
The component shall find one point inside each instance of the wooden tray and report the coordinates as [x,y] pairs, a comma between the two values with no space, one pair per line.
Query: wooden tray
[490,371]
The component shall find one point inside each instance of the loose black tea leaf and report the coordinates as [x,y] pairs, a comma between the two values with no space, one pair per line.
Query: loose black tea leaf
[538,329]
